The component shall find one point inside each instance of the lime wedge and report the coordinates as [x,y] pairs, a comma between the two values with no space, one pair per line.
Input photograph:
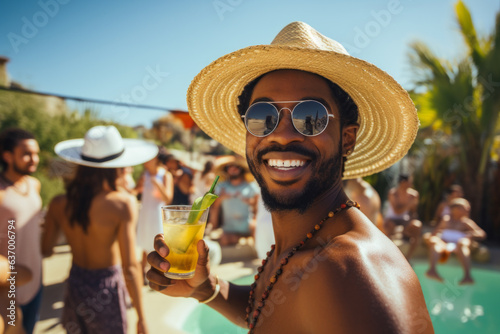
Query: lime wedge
[202,203]
[180,237]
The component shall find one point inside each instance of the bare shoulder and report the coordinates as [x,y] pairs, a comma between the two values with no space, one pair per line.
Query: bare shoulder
[121,203]
[362,275]
[35,182]
[121,198]
[58,202]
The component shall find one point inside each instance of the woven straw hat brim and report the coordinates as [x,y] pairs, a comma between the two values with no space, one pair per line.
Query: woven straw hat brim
[387,116]
[136,152]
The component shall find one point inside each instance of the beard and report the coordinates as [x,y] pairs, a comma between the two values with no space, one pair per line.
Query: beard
[236,177]
[325,175]
[20,170]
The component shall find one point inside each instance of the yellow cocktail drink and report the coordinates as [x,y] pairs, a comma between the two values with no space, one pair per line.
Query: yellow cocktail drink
[181,238]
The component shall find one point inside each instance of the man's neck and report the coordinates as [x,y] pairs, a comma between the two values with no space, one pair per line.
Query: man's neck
[12,176]
[402,189]
[236,181]
[290,227]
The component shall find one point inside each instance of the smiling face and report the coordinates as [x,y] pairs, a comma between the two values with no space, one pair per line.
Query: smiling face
[293,169]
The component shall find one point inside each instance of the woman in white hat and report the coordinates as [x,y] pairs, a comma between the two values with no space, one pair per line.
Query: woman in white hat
[99,222]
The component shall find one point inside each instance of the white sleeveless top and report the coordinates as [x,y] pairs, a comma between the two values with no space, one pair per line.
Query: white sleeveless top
[25,210]
[149,223]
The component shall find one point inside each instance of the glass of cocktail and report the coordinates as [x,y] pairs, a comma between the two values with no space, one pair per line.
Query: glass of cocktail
[183,227]
[182,233]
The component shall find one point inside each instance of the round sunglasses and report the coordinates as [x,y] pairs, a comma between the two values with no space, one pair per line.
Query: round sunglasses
[309,117]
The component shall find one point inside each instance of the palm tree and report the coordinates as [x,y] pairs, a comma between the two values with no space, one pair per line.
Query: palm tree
[459,104]
[485,55]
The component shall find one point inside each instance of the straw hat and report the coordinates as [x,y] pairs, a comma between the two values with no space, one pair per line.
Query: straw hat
[388,118]
[104,147]
[222,162]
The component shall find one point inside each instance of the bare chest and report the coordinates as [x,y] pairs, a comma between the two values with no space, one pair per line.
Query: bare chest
[282,302]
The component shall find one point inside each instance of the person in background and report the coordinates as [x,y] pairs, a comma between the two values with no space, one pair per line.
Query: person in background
[99,221]
[202,180]
[156,186]
[236,207]
[402,211]
[454,234]
[363,193]
[183,180]
[443,209]
[127,181]
[264,233]
[20,204]
[23,276]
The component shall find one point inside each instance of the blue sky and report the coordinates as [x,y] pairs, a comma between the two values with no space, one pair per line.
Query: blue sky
[147,52]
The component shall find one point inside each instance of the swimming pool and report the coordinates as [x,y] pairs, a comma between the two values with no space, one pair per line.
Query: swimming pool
[453,308]
[462,309]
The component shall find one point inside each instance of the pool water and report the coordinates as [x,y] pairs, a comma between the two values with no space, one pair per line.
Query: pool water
[204,320]
[458,308]
[453,308]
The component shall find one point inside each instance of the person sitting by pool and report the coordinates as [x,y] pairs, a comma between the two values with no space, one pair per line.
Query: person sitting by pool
[363,193]
[402,211]
[455,191]
[454,234]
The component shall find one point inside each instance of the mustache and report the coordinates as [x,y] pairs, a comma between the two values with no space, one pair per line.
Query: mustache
[295,148]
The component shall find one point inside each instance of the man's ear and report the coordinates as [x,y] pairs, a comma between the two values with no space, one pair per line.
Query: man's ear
[349,133]
[8,157]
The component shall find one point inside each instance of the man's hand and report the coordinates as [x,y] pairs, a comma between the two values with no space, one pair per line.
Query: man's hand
[173,287]
[141,327]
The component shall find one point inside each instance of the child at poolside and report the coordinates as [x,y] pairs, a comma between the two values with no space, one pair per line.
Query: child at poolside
[454,234]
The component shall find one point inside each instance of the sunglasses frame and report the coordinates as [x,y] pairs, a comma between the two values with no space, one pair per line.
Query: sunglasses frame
[291,114]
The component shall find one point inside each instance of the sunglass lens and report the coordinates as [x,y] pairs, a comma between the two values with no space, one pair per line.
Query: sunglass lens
[261,119]
[310,118]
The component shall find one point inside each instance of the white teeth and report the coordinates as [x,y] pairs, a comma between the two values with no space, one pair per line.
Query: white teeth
[285,163]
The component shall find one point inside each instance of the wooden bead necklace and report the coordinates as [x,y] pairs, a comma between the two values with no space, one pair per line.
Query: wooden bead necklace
[252,321]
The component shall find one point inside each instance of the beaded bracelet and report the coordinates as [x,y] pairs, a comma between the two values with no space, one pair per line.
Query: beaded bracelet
[216,292]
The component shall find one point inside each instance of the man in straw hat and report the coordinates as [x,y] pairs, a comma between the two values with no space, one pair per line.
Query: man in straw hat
[99,221]
[237,202]
[306,113]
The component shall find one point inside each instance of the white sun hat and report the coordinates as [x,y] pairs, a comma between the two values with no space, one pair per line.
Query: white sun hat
[387,116]
[104,147]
